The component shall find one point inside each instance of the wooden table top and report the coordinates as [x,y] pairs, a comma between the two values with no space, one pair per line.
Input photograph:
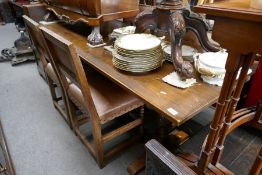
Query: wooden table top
[237,9]
[149,87]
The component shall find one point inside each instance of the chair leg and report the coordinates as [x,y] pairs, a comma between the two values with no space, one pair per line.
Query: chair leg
[56,99]
[257,166]
[257,121]
[72,118]
[52,89]
[141,115]
[97,135]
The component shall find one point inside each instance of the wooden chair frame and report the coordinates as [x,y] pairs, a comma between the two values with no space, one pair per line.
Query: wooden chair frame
[37,40]
[74,70]
[226,119]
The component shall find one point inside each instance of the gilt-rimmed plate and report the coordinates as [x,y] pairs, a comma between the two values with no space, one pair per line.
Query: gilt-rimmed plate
[138,42]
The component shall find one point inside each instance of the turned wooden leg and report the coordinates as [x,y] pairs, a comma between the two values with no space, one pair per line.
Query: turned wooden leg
[257,121]
[95,38]
[257,166]
[232,67]
[232,106]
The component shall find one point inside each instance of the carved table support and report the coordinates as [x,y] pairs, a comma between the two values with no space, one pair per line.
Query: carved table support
[95,38]
[171,19]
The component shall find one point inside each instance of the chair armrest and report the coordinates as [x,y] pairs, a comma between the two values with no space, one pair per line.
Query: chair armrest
[160,161]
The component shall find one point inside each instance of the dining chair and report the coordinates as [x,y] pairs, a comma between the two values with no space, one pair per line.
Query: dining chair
[57,92]
[160,161]
[102,100]
[158,158]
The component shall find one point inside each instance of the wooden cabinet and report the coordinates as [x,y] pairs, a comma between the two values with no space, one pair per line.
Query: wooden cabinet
[95,8]
[93,13]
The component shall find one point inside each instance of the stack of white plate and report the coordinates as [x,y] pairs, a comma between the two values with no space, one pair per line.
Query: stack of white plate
[137,53]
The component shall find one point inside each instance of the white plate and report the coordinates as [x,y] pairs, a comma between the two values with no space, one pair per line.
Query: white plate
[125,30]
[214,59]
[138,42]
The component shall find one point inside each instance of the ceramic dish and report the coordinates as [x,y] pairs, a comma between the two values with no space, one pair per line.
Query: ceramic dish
[139,56]
[210,63]
[125,30]
[135,69]
[138,42]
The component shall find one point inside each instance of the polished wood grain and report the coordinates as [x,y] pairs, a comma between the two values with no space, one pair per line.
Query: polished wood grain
[95,8]
[237,9]
[56,90]
[97,97]
[92,12]
[149,87]
[161,161]
[37,12]
[238,29]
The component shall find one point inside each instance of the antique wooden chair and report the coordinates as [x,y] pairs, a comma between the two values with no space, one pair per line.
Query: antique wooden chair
[40,51]
[160,161]
[209,160]
[37,13]
[95,95]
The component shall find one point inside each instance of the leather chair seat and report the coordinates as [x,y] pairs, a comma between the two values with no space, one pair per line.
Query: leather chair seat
[110,100]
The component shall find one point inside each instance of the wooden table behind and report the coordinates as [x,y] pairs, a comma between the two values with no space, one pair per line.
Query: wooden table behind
[149,87]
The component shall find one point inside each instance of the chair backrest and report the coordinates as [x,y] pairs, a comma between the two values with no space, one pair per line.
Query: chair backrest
[36,12]
[68,65]
[36,37]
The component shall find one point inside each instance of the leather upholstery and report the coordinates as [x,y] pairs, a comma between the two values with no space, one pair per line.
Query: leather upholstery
[110,100]
[51,73]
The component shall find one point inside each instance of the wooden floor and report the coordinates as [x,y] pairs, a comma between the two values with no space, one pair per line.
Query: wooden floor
[241,147]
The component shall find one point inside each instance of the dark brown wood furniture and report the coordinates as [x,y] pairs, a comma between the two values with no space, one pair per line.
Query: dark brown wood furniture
[93,13]
[36,12]
[172,19]
[148,87]
[161,161]
[6,164]
[102,100]
[17,10]
[238,29]
[56,90]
